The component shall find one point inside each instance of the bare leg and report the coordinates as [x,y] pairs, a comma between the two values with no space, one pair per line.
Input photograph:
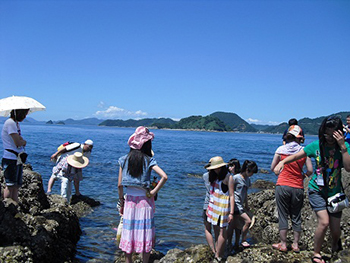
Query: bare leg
[296,239]
[322,224]
[50,184]
[145,257]
[230,232]
[209,236]
[76,186]
[11,192]
[283,236]
[128,258]
[334,225]
[220,248]
[247,222]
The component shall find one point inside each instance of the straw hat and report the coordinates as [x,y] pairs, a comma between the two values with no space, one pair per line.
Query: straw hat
[77,160]
[215,162]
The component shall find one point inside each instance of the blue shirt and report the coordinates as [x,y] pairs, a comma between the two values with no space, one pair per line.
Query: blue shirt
[144,180]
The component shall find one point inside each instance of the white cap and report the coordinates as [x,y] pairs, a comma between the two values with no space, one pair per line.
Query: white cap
[89,142]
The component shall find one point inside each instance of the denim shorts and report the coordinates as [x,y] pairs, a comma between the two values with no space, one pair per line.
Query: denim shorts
[12,172]
[318,203]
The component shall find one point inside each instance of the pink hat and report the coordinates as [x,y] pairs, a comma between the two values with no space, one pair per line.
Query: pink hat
[141,135]
[296,131]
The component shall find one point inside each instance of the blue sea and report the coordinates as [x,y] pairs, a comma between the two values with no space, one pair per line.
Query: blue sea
[181,154]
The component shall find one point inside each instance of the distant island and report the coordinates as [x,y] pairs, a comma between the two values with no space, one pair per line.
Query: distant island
[220,121]
[217,121]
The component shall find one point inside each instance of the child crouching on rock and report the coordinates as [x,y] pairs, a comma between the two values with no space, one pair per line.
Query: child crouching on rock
[66,169]
[241,185]
[221,202]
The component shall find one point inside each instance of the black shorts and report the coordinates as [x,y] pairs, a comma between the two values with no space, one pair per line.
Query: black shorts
[12,172]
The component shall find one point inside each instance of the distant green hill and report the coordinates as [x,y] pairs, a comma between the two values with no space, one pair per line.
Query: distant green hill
[150,122]
[208,123]
[309,126]
[235,122]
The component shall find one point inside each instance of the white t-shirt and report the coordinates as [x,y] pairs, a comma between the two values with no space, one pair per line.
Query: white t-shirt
[10,127]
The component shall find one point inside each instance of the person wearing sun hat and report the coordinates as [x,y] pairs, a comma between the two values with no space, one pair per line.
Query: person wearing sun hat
[289,190]
[66,169]
[138,206]
[220,209]
[64,151]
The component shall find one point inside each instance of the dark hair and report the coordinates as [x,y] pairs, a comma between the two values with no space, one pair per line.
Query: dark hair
[19,115]
[136,158]
[293,122]
[348,116]
[213,176]
[291,138]
[249,166]
[332,122]
[235,162]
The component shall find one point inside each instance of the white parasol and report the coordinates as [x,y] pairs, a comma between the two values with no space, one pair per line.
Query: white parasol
[19,102]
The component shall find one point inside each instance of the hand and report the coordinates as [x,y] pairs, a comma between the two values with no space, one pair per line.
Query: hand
[230,218]
[278,168]
[339,137]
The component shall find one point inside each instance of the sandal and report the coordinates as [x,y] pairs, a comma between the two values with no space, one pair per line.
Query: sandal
[245,244]
[279,247]
[319,259]
[295,249]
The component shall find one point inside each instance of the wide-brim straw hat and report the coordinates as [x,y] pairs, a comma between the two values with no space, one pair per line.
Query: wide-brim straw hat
[77,160]
[215,162]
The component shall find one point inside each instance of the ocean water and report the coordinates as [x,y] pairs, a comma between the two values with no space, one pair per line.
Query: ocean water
[181,154]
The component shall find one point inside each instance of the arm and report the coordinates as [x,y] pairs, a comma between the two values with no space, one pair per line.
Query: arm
[338,135]
[18,140]
[120,191]
[162,181]
[275,161]
[309,168]
[287,160]
[231,188]
[62,150]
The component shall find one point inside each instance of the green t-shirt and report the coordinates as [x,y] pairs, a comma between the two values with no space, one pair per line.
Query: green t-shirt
[334,163]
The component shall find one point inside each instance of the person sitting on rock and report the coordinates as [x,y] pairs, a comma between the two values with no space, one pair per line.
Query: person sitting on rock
[70,149]
[66,169]
[290,188]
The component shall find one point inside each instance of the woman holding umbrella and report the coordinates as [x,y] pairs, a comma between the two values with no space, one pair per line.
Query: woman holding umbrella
[13,144]
[17,107]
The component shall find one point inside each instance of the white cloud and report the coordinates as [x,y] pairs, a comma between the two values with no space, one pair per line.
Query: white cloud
[256,121]
[115,112]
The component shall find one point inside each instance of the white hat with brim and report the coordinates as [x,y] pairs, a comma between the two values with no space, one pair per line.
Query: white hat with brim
[77,160]
[215,162]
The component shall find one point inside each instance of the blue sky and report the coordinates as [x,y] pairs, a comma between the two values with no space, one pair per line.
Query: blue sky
[267,61]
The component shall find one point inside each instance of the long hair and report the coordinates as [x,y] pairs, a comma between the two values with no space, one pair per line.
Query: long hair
[19,115]
[213,176]
[236,163]
[136,158]
[332,122]
[249,166]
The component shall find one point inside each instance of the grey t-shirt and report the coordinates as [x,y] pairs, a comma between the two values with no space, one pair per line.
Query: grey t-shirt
[207,187]
[241,191]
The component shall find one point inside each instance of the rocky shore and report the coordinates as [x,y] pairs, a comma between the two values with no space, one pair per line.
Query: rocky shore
[40,228]
[46,229]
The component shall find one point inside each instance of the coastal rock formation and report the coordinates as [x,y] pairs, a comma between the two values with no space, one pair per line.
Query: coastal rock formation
[40,228]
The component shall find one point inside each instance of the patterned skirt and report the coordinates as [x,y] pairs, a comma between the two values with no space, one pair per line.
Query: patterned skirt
[138,234]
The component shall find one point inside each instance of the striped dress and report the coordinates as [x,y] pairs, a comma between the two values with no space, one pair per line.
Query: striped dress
[219,205]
